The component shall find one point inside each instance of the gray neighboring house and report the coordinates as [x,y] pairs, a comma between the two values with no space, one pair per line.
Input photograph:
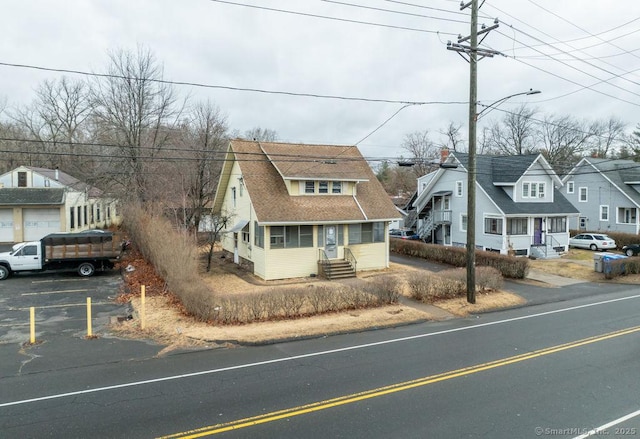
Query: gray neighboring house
[519,209]
[606,193]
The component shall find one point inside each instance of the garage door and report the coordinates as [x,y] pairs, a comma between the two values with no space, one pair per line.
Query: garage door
[40,222]
[6,225]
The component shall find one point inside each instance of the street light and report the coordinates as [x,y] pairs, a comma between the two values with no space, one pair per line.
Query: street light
[471,187]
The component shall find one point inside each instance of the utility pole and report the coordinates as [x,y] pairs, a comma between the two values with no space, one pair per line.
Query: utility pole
[472,51]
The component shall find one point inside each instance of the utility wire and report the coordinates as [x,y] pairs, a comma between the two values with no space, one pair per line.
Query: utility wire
[391,11]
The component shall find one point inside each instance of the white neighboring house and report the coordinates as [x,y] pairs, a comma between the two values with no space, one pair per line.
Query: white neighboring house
[519,206]
[37,201]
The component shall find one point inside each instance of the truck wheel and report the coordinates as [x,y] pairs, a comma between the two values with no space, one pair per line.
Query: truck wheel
[86,269]
[4,272]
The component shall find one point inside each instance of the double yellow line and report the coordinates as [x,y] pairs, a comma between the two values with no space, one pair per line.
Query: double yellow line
[394,388]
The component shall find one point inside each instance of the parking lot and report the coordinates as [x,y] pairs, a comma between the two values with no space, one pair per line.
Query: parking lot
[60,301]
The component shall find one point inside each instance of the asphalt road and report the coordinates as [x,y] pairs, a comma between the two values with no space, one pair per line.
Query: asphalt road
[555,369]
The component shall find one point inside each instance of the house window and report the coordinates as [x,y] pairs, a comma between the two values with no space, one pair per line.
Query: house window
[517,226]
[72,218]
[245,234]
[533,190]
[323,187]
[47,182]
[525,190]
[463,222]
[93,216]
[233,196]
[86,218]
[79,216]
[541,190]
[277,237]
[604,213]
[336,187]
[291,236]
[22,179]
[626,215]
[582,196]
[570,187]
[366,233]
[493,226]
[97,212]
[309,187]
[458,188]
[259,235]
[557,224]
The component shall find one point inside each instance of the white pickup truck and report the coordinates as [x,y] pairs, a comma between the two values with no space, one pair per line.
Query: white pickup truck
[85,252]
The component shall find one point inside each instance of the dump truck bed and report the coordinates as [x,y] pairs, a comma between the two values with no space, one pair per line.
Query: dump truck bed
[84,245]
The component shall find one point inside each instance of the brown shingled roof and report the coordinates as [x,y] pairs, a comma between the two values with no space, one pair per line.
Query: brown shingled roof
[264,180]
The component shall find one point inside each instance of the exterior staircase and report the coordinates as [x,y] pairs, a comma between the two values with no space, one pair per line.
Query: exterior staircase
[338,269]
[544,252]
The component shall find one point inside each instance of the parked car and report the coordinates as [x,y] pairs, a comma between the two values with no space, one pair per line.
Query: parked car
[592,241]
[631,249]
[404,234]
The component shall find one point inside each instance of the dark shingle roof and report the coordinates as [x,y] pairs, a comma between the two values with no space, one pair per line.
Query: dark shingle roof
[620,172]
[508,169]
[31,196]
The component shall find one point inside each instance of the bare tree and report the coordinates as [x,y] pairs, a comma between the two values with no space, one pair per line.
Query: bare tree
[454,138]
[423,151]
[564,140]
[608,136]
[515,134]
[260,134]
[136,111]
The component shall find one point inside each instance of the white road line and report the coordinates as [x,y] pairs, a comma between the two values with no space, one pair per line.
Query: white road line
[309,355]
[604,428]
[54,292]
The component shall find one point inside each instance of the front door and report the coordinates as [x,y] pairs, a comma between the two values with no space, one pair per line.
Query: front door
[537,231]
[330,242]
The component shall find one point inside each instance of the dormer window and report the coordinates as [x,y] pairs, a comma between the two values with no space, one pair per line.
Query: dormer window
[309,187]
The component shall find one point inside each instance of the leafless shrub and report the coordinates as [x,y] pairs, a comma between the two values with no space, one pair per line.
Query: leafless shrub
[384,289]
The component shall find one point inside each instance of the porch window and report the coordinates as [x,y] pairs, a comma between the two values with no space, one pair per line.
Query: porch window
[493,226]
[627,215]
[366,233]
[323,187]
[582,196]
[277,236]
[604,212]
[259,234]
[306,236]
[517,226]
[557,224]
[339,228]
[570,187]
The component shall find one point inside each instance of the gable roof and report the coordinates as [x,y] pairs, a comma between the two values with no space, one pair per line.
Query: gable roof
[265,166]
[66,180]
[31,196]
[494,170]
[621,173]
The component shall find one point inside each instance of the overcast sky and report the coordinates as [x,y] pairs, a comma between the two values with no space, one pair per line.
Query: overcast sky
[583,55]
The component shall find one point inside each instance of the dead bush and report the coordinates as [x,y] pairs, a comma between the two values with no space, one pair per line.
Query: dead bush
[385,289]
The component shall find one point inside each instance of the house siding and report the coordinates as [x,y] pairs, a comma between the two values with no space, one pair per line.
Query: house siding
[600,192]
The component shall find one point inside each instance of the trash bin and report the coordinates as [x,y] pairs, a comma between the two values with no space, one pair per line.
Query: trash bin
[597,262]
[607,259]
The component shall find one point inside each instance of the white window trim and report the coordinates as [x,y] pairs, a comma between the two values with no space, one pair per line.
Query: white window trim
[604,207]
[586,194]
[462,216]
[535,189]
[571,187]
[459,188]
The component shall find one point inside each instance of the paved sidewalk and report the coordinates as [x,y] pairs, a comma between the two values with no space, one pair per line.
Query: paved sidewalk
[552,279]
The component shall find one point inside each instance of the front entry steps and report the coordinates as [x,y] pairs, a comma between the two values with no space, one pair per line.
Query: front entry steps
[338,269]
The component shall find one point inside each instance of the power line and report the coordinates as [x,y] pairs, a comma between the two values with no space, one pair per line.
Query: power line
[225,87]
[325,17]
[391,11]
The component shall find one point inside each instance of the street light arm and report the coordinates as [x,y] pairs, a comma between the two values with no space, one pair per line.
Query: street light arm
[495,104]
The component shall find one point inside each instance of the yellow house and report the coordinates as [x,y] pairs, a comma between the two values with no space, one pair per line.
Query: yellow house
[294,210]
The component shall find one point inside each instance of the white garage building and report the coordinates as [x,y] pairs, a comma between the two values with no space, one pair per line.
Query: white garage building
[35,202]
